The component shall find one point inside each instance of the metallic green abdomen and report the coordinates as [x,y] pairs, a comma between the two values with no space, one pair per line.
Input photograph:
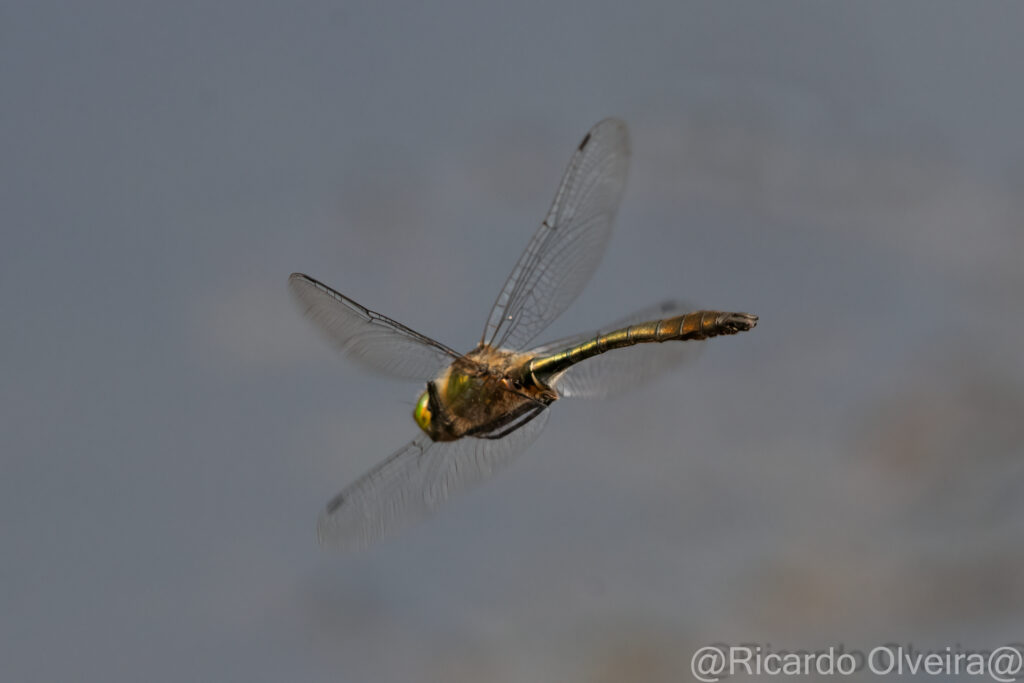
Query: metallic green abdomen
[690,326]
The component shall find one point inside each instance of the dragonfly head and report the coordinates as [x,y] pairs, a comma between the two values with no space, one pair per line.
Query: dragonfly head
[422,412]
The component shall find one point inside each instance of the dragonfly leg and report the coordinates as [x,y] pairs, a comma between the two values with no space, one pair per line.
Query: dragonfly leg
[506,424]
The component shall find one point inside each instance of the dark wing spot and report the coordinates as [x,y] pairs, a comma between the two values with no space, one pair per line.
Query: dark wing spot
[586,139]
[335,503]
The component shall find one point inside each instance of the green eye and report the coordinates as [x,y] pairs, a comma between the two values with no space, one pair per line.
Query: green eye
[422,413]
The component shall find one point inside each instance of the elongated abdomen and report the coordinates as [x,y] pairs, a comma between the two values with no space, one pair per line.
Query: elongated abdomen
[690,326]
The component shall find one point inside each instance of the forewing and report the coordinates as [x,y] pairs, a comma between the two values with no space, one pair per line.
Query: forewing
[414,482]
[565,250]
[371,339]
[623,370]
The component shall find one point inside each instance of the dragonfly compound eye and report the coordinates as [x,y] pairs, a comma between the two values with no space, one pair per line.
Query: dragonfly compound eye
[422,412]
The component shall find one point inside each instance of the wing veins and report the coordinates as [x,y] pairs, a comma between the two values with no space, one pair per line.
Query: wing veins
[582,208]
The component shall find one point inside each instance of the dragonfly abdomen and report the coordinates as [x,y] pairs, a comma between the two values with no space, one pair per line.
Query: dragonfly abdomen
[690,326]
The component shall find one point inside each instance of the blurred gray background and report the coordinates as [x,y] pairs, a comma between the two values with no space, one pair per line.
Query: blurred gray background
[849,472]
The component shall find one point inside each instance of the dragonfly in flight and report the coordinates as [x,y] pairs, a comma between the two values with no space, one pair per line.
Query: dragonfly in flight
[481,408]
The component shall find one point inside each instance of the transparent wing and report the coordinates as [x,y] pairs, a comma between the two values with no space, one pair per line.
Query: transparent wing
[414,482]
[626,369]
[565,250]
[376,342]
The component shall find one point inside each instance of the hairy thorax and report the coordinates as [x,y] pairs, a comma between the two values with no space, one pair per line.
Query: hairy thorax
[483,394]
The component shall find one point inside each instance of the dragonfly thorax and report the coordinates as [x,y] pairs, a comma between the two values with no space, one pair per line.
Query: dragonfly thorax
[482,394]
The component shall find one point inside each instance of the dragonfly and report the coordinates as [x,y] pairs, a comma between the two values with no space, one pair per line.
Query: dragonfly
[482,408]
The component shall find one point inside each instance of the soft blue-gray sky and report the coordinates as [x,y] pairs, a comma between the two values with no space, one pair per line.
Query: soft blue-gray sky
[170,426]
